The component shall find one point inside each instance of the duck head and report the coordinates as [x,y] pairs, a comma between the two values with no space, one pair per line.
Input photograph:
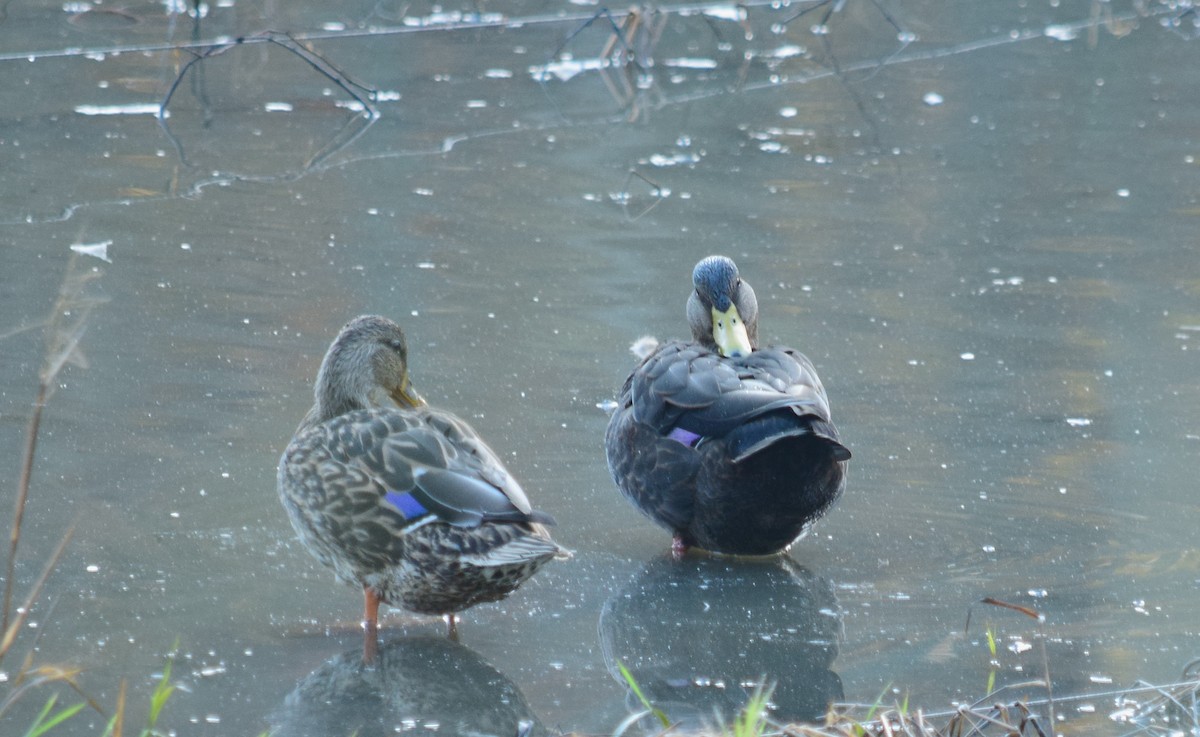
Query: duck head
[366,366]
[722,309]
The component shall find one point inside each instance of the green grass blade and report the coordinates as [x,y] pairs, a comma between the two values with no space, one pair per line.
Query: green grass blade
[46,721]
[637,691]
[158,699]
[752,720]
[878,702]
[42,714]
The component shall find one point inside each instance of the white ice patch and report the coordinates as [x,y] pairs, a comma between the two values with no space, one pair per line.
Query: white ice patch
[566,69]
[95,250]
[1061,32]
[143,108]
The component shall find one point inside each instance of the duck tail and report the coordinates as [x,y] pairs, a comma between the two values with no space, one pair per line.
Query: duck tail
[540,517]
[518,551]
[827,432]
[766,430]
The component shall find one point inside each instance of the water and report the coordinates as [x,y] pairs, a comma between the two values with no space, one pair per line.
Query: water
[1000,291]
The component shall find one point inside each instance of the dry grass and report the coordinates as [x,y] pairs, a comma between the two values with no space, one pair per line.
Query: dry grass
[64,329]
[1141,711]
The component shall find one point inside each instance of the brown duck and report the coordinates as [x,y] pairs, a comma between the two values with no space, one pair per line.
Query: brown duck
[401,499]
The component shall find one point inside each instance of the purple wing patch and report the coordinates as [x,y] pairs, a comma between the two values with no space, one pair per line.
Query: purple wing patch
[405,504]
[685,437]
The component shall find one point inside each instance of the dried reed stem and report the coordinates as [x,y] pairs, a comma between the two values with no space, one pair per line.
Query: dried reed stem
[64,330]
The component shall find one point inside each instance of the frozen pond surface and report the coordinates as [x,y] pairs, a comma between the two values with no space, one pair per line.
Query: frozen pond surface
[986,240]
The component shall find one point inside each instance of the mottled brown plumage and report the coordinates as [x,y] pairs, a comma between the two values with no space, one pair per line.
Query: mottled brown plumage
[399,498]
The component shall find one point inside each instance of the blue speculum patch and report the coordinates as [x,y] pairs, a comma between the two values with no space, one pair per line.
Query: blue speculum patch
[687,437]
[406,504]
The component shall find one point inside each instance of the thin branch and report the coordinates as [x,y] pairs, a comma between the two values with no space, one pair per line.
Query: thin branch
[31,435]
[10,632]
[64,330]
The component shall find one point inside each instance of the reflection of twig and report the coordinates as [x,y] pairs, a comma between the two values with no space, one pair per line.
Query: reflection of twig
[821,30]
[1103,15]
[360,92]
[350,132]
[199,88]
[618,34]
[638,35]
[625,60]
[658,192]
[678,97]
[346,135]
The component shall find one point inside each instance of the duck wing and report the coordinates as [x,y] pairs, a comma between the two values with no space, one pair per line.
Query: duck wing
[689,393]
[408,466]
[465,484]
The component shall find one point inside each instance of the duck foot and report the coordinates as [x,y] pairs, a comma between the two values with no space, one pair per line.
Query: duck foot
[370,625]
[370,642]
[678,548]
[452,627]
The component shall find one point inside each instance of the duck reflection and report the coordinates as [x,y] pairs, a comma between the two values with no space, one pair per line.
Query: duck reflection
[415,686]
[699,633]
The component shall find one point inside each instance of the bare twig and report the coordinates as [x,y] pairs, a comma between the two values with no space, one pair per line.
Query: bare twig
[11,630]
[1027,611]
[14,540]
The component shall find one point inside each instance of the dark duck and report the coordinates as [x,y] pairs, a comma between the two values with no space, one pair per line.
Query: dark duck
[727,444]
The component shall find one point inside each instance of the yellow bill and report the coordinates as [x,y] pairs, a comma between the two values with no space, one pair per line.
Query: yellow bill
[729,333]
[404,395]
